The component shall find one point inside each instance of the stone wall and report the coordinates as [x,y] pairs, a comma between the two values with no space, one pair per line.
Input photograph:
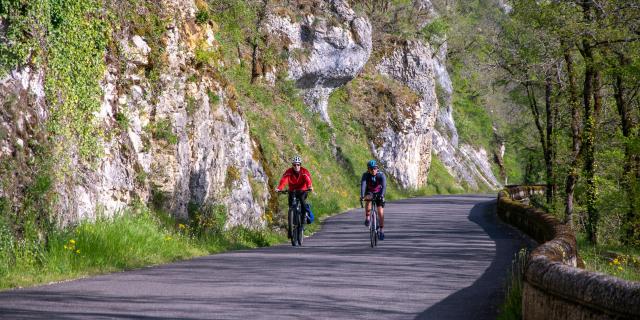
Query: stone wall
[554,288]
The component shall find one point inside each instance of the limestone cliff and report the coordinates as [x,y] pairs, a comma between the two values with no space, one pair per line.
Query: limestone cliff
[179,141]
[174,133]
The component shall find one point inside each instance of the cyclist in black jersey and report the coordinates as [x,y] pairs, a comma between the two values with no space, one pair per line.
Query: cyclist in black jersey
[373,186]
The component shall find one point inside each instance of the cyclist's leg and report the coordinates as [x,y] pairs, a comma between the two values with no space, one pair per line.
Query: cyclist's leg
[303,201]
[380,205]
[367,209]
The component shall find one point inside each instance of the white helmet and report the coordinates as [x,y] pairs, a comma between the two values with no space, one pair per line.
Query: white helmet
[296,159]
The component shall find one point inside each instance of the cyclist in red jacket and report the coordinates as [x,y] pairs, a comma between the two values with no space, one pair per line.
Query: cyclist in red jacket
[299,179]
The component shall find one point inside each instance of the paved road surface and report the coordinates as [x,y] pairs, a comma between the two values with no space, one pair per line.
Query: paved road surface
[445,257]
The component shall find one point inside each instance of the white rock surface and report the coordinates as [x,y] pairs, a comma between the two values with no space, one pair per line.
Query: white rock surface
[332,54]
[406,154]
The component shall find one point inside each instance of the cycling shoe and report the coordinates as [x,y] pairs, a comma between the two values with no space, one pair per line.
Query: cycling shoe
[366,222]
[381,235]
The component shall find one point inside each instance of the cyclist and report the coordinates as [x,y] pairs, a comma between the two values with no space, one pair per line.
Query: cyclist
[299,179]
[373,186]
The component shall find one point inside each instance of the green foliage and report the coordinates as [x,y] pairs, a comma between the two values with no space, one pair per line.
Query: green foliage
[162,130]
[214,99]
[26,23]
[207,220]
[133,239]
[237,20]
[436,31]
[440,180]
[76,34]
[202,16]
[206,56]
[472,120]
[122,120]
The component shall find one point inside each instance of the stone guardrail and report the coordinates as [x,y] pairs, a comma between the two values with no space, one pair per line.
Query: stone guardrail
[554,288]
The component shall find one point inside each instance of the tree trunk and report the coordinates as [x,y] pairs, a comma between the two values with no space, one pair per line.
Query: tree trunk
[535,111]
[588,141]
[548,153]
[572,176]
[627,128]
[591,86]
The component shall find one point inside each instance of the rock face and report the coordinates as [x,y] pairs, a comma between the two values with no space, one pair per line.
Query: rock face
[468,165]
[406,153]
[179,142]
[206,155]
[464,162]
[324,53]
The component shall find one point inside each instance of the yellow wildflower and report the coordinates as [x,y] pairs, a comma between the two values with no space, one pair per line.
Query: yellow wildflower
[620,268]
[181,226]
[615,261]
[65,247]
[167,238]
[72,241]
[78,251]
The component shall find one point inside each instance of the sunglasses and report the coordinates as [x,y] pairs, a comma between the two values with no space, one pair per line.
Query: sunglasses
[296,164]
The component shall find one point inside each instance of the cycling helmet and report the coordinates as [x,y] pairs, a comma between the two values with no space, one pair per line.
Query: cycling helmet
[296,159]
[372,164]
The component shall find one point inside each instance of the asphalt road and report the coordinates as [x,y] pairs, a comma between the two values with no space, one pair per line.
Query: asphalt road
[444,257]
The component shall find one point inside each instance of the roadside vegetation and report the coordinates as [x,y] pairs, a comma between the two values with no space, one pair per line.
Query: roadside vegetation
[135,238]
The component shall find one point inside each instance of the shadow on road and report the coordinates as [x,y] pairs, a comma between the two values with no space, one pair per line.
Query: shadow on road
[464,304]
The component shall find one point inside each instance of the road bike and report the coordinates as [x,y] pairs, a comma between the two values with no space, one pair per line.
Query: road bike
[373,221]
[296,217]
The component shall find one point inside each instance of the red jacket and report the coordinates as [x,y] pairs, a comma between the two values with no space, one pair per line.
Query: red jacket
[296,181]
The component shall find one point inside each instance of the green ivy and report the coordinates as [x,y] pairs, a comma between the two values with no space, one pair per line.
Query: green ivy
[75,65]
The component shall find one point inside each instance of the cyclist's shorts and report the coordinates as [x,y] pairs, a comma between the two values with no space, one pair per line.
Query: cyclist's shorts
[377,200]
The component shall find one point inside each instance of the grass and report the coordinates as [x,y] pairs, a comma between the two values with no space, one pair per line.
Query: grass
[127,241]
[511,308]
[619,261]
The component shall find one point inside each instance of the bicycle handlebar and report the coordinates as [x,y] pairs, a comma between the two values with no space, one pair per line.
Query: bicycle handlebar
[293,191]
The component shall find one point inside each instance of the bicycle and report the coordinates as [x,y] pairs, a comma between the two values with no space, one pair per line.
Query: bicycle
[373,222]
[296,219]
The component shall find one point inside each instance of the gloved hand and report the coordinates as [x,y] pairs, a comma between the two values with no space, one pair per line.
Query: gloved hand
[361,198]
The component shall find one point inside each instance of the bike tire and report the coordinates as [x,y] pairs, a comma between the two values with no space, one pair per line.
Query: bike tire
[292,230]
[372,236]
[300,229]
[372,228]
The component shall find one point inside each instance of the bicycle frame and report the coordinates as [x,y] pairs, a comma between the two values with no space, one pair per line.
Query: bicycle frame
[296,220]
[373,222]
